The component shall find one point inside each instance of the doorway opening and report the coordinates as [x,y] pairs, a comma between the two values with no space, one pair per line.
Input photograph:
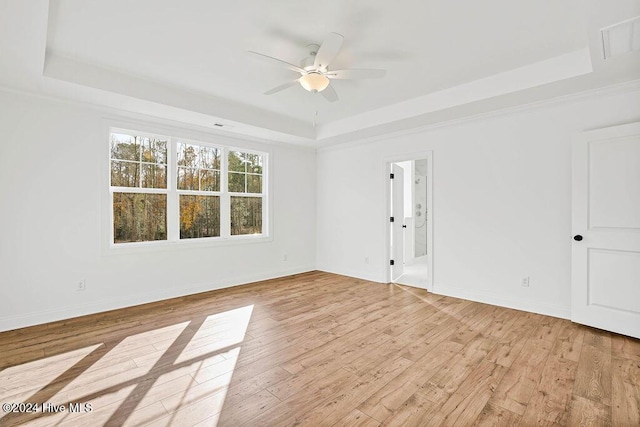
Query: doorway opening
[410,231]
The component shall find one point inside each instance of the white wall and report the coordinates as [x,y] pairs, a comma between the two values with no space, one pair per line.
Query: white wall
[51,218]
[501,203]
[501,211]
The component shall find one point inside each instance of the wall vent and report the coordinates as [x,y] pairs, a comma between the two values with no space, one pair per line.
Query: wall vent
[621,38]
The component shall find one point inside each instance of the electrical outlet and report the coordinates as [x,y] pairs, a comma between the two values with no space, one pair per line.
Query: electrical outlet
[366,260]
[285,257]
[525,282]
[81,285]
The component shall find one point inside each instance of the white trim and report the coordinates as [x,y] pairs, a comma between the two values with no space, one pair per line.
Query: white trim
[138,190]
[199,192]
[35,318]
[116,114]
[225,198]
[123,115]
[173,197]
[143,133]
[625,87]
[501,301]
[353,273]
[184,132]
[165,245]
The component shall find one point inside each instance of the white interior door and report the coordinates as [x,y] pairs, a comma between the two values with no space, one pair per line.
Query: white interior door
[606,229]
[397,212]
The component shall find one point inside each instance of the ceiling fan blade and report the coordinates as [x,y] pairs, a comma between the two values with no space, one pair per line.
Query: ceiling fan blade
[328,50]
[277,61]
[281,87]
[330,94]
[356,74]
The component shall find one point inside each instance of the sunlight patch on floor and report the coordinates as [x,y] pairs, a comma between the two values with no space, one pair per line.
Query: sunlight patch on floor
[218,332]
[37,374]
[104,405]
[210,393]
[166,376]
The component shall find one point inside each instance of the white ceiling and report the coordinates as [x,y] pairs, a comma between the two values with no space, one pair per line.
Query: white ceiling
[187,60]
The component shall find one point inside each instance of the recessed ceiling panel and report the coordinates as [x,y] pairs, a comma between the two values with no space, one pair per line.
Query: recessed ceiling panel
[425,46]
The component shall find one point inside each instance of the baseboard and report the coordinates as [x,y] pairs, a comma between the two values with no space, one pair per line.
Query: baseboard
[30,319]
[352,273]
[508,302]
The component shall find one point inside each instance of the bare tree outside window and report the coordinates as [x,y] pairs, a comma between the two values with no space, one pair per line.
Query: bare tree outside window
[137,164]
[147,207]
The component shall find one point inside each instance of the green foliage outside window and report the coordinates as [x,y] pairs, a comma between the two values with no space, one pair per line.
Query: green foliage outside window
[140,191]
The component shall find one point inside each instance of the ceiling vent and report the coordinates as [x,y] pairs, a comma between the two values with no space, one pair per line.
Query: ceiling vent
[621,38]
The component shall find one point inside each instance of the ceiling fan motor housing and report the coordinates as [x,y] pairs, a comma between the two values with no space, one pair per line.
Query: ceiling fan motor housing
[307,63]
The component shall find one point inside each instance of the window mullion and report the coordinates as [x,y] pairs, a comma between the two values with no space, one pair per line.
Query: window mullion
[173,203]
[263,192]
[225,201]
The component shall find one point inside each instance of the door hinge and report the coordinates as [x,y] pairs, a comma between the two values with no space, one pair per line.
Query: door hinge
[391,176]
[391,219]
[391,262]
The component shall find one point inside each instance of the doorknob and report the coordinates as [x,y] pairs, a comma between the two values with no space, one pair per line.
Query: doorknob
[577,237]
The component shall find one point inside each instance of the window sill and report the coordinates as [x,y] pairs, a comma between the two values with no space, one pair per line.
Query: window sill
[164,246]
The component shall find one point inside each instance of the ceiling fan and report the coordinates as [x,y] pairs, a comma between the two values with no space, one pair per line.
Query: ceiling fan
[315,74]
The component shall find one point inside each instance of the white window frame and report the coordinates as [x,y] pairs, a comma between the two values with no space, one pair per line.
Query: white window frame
[230,194]
[173,137]
[175,230]
[138,190]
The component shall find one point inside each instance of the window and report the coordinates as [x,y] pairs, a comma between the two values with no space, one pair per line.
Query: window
[199,190]
[245,186]
[139,187]
[171,189]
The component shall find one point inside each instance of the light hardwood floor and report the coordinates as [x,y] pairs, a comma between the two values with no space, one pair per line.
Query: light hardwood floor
[321,349]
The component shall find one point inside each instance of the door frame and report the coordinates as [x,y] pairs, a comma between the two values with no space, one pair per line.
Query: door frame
[397,240]
[428,155]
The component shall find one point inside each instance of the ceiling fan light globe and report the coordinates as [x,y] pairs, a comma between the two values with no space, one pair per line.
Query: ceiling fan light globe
[314,82]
